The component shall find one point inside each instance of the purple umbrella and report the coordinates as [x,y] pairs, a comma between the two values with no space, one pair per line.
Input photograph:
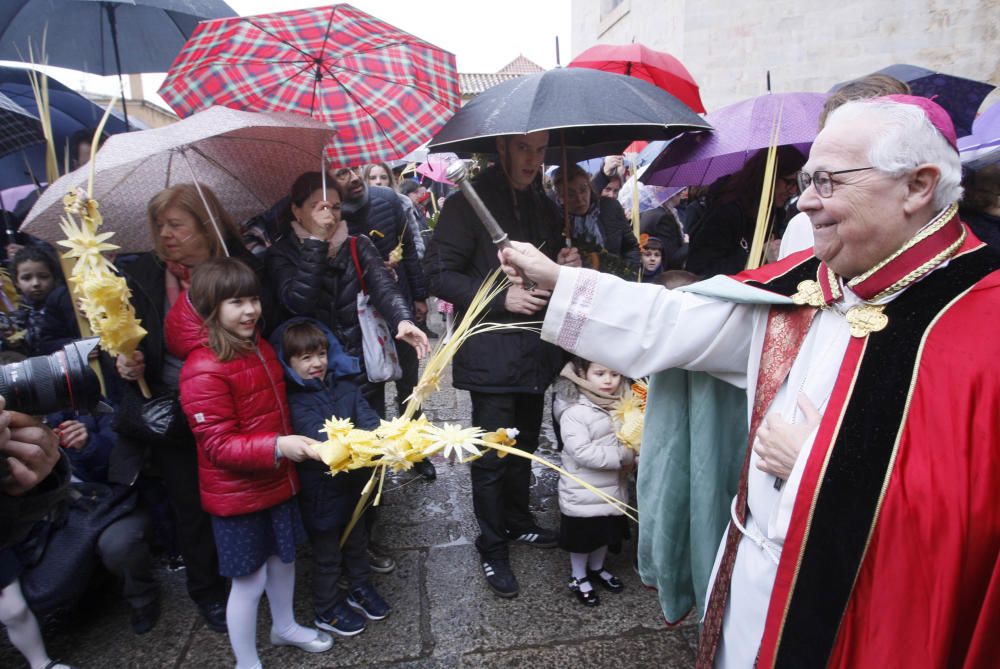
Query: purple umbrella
[982,147]
[741,130]
[960,97]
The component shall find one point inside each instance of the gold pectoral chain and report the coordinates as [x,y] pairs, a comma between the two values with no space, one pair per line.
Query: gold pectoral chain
[867,317]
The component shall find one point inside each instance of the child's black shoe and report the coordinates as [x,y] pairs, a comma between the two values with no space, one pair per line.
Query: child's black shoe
[588,598]
[609,581]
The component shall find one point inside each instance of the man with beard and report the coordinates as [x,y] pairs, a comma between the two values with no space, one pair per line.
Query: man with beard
[375,211]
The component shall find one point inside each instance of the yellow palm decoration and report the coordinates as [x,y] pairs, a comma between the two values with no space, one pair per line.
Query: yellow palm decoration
[101,294]
[628,415]
[396,444]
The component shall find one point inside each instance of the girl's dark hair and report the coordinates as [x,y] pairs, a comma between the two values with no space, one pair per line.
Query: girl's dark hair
[33,253]
[580,365]
[302,338]
[212,283]
[305,185]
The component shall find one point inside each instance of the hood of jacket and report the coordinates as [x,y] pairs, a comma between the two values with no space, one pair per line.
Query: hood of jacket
[339,364]
[185,329]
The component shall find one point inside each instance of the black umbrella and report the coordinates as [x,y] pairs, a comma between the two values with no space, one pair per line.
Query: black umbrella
[593,113]
[958,96]
[18,128]
[103,37]
[69,112]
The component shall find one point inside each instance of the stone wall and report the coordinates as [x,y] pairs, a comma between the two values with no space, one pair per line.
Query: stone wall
[730,45]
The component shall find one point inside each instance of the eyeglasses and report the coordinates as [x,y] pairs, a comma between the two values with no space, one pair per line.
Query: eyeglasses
[823,180]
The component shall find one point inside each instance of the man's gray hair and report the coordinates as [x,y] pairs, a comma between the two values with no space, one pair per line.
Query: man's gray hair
[907,139]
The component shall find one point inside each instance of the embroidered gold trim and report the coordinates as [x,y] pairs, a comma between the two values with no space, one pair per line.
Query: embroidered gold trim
[831,278]
[809,293]
[866,318]
[936,224]
[923,269]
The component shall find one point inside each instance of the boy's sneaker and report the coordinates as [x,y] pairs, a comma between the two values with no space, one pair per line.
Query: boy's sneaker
[380,564]
[367,601]
[537,537]
[341,619]
[500,578]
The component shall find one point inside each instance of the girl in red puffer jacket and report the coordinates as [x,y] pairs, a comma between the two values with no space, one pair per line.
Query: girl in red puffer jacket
[233,393]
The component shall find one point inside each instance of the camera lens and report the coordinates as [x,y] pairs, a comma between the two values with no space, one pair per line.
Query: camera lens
[57,382]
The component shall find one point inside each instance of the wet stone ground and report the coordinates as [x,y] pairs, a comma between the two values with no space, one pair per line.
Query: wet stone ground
[443,614]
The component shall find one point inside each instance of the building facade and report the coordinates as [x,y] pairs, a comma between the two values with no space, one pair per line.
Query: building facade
[729,46]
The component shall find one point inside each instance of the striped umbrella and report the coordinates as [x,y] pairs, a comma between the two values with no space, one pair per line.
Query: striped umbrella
[384,91]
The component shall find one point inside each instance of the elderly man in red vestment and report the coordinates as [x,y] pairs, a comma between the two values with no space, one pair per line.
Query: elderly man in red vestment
[866,529]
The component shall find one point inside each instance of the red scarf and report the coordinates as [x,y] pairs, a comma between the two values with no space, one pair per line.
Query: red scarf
[178,278]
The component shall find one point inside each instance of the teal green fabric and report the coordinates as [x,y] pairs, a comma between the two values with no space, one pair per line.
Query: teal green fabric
[693,444]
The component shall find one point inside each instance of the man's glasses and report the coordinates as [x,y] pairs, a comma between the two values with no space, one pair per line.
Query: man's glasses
[823,180]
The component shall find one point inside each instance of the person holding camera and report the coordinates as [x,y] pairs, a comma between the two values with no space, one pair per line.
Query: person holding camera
[120,538]
[33,480]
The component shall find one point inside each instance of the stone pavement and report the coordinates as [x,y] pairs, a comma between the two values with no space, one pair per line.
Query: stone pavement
[443,614]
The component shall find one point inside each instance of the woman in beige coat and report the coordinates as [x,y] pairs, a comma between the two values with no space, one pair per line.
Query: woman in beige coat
[584,396]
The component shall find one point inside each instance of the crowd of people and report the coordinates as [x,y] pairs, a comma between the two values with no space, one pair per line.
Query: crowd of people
[254,341]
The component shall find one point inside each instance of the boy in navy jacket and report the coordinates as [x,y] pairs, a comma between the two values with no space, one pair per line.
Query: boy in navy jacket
[316,369]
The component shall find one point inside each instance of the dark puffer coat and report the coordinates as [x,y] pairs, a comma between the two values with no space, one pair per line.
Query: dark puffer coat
[308,283]
[461,255]
[380,216]
[327,502]
[237,411]
[146,278]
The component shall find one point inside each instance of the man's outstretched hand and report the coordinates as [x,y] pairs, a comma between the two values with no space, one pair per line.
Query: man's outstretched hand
[522,259]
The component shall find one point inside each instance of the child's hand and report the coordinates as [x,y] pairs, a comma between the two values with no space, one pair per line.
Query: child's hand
[72,434]
[297,448]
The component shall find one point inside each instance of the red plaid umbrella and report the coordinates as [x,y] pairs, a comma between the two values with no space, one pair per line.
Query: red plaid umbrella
[384,91]
[657,67]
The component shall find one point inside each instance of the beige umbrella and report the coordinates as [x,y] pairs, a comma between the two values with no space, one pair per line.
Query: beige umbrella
[248,159]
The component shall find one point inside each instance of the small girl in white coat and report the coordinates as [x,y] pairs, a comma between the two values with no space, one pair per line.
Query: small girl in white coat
[584,396]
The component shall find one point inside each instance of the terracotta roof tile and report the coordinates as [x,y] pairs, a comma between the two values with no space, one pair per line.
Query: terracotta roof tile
[521,65]
[470,83]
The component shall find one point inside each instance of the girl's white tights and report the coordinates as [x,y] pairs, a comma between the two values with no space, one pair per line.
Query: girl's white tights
[278,580]
[581,562]
[22,626]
